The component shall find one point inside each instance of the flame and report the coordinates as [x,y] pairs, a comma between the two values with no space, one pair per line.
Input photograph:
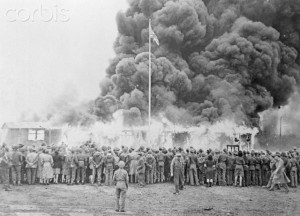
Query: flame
[160,135]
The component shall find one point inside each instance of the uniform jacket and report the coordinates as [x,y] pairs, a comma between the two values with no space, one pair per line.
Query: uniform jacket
[70,161]
[230,162]
[109,161]
[81,160]
[252,163]
[16,158]
[150,161]
[141,166]
[258,163]
[32,160]
[161,157]
[193,160]
[97,160]
[177,164]
[121,179]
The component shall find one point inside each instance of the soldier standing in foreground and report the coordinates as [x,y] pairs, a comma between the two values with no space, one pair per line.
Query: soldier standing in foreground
[121,181]
[177,171]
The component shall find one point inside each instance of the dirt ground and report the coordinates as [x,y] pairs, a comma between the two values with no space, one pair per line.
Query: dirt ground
[158,199]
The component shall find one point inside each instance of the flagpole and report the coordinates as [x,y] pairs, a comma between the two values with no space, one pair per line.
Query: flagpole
[149,99]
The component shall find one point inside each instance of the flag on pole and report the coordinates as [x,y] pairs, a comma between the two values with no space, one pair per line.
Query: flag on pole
[153,35]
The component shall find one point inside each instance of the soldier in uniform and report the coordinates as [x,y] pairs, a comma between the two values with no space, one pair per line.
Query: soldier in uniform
[279,176]
[252,164]
[201,168]
[217,169]
[193,164]
[132,167]
[109,162]
[150,163]
[297,157]
[246,179]
[155,153]
[121,180]
[81,162]
[97,162]
[186,168]
[230,168]
[31,166]
[273,168]
[16,160]
[4,168]
[161,165]
[70,167]
[258,170]
[265,169]
[141,170]
[222,160]
[286,164]
[177,171]
[293,170]
[23,151]
[124,156]
[169,158]
[239,169]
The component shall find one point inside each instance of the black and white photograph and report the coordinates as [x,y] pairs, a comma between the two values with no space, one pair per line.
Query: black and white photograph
[149,107]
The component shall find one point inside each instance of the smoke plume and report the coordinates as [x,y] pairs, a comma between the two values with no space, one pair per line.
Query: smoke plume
[65,109]
[217,60]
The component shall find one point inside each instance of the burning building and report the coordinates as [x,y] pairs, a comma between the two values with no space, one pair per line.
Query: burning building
[30,133]
[216,61]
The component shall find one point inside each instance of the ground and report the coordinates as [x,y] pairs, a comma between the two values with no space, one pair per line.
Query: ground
[158,199]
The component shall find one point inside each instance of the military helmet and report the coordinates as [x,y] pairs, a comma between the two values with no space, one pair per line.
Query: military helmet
[121,164]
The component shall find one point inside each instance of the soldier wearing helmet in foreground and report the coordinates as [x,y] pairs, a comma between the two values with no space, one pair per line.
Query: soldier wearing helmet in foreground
[177,171]
[121,180]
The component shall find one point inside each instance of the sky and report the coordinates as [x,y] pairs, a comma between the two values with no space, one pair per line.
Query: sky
[49,47]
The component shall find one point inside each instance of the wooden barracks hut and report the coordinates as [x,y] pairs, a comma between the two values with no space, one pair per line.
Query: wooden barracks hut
[30,133]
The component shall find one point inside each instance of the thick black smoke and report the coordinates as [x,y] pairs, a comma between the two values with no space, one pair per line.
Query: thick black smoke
[217,59]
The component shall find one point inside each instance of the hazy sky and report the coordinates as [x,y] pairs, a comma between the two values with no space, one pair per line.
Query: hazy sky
[49,46]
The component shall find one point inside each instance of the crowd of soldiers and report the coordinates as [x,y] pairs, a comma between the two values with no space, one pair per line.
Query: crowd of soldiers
[94,164]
